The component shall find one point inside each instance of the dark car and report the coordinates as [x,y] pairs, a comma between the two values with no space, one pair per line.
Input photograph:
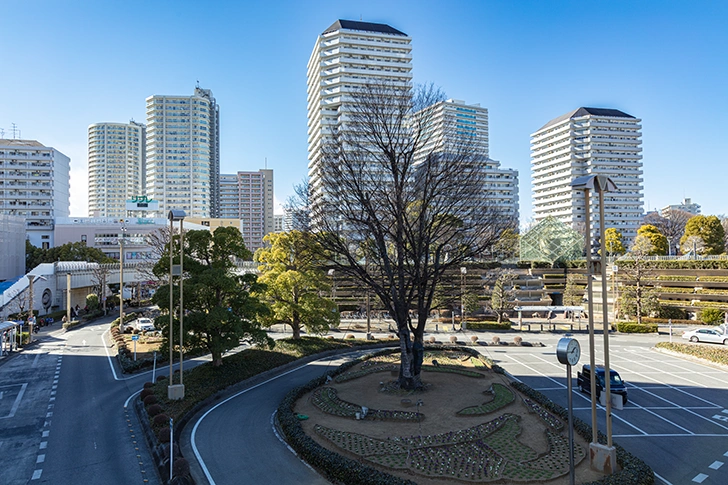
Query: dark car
[616,384]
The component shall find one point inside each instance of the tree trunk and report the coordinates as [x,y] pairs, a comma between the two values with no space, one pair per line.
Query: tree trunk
[296,325]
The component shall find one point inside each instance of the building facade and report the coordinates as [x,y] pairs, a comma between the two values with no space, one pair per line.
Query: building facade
[589,141]
[248,197]
[347,56]
[687,205]
[34,185]
[183,147]
[116,167]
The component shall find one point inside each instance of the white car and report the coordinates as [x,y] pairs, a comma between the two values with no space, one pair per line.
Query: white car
[143,324]
[706,335]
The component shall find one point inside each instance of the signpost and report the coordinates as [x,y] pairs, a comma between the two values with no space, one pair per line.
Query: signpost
[134,339]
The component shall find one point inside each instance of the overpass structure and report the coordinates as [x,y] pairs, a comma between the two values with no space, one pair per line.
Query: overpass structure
[52,286]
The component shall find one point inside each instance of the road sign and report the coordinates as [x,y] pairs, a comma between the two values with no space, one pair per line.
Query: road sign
[135,337]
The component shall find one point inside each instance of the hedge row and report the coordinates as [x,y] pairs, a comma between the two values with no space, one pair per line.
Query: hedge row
[713,353]
[340,469]
[634,327]
[505,325]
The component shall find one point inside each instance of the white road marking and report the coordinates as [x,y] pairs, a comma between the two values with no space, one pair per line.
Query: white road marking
[36,474]
[700,477]
[715,465]
[16,404]
[43,445]
[725,454]
[45,434]
[35,361]
[658,476]
[40,459]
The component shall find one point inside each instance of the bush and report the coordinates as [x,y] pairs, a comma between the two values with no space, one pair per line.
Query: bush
[145,392]
[154,410]
[433,340]
[713,353]
[453,339]
[504,325]
[496,339]
[180,468]
[474,339]
[160,419]
[149,400]
[163,435]
[148,384]
[672,312]
[518,340]
[711,316]
[634,327]
[349,335]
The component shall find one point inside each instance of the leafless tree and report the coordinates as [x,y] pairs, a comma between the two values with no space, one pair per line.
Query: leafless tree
[298,207]
[636,272]
[158,242]
[402,204]
[672,226]
[100,278]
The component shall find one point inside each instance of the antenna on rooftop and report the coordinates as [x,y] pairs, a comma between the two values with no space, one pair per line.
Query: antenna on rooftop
[198,84]
[15,131]
[2,133]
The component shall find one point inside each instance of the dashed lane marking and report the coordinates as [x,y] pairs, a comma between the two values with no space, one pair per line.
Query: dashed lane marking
[715,465]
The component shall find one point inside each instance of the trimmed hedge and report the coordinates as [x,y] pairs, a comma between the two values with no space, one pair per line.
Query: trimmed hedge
[634,327]
[340,469]
[713,353]
[506,325]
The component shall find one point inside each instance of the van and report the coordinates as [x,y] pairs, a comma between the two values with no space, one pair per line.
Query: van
[616,384]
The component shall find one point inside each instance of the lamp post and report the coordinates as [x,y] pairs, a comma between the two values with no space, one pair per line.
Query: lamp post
[603,458]
[68,298]
[121,276]
[463,272]
[175,392]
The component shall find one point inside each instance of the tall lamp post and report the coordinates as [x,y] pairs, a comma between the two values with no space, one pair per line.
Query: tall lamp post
[603,458]
[175,392]
[121,276]
[463,272]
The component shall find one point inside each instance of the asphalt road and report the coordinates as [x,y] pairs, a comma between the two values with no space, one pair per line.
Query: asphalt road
[676,419]
[63,419]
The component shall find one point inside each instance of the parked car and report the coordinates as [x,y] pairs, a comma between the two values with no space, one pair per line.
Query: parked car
[706,335]
[616,384]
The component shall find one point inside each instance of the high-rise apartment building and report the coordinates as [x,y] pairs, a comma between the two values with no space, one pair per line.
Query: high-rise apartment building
[687,205]
[589,141]
[248,196]
[34,184]
[461,130]
[347,56]
[116,167]
[183,153]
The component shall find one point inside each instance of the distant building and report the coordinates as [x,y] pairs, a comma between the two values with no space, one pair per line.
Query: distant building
[183,153]
[34,185]
[345,57]
[278,222]
[116,167]
[248,197]
[589,141]
[687,205]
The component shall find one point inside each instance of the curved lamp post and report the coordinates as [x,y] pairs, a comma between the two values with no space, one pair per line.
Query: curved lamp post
[602,458]
[175,392]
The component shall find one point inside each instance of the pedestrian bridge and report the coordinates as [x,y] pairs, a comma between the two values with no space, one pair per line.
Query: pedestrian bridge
[50,286]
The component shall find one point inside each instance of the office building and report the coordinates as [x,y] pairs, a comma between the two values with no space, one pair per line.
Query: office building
[248,197]
[34,185]
[347,56]
[589,141]
[687,205]
[183,147]
[116,167]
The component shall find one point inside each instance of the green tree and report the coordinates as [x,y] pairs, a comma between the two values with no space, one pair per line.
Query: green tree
[658,242]
[291,271]
[220,309]
[507,245]
[709,229]
[573,291]
[638,298]
[77,251]
[613,242]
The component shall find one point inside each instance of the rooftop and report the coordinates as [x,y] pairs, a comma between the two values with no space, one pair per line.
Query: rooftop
[365,26]
[607,112]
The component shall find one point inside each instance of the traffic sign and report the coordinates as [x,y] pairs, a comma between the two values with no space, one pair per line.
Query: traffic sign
[135,337]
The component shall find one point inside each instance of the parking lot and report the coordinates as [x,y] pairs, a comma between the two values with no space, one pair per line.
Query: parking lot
[677,415]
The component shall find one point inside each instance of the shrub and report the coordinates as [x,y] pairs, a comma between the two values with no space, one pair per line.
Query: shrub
[148,384]
[433,340]
[711,316]
[672,312]
[149,400]
[496,339]
[180,468]
[634,327]
[154,410]
[160,419]
[163,435]
[349,335]
[145,392]
[453,339]
[474,339]
[518,340]
[504,325]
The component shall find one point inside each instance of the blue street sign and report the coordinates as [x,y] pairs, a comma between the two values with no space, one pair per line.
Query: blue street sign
[135,337]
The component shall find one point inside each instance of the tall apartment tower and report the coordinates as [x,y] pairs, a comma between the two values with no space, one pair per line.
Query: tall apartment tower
[455,125]
[116,167]
[183,153]
[248,196]
[346,56]
[589,141]
[35,185]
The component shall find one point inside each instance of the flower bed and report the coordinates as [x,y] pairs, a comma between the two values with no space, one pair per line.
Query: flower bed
[502,397]
[326,400]
[546,416]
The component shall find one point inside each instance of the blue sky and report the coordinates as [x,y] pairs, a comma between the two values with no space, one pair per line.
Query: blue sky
[68,64]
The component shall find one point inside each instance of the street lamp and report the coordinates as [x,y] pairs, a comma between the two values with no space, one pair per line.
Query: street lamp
[121,276]
[463,272]
[603,458]
[175,392]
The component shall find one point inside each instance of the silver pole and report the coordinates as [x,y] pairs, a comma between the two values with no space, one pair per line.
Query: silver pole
[171,302]
[590,307]
[181,295]
[605,316]
[571,427]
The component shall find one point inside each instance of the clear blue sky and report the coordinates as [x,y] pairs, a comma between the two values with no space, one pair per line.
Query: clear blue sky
[68,64]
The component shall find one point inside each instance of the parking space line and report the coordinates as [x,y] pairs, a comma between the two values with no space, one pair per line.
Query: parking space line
[700,478]
[715,465]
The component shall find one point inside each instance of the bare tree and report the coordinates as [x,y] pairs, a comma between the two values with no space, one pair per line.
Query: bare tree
[100,278]
[298,207]
[402,204]
[672,226]
[158,241]
[635,267]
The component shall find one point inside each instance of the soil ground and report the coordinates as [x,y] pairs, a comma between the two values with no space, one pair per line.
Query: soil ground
[447,393]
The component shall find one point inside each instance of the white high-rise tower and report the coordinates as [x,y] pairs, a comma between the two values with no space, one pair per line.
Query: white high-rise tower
[589,141]
[347,56]
[116,166]
[183,161]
